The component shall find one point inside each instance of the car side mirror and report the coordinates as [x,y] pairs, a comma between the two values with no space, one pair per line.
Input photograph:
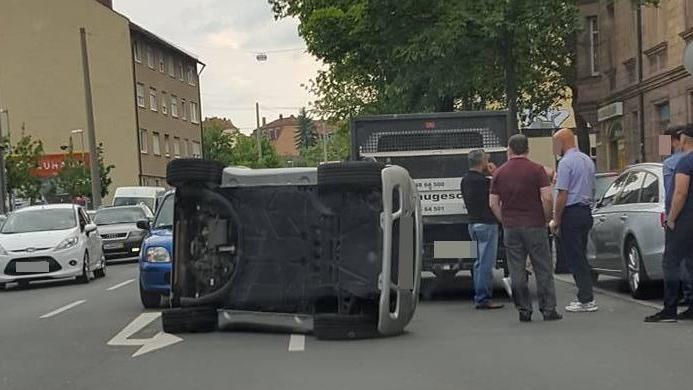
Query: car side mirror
[90,228]
[144,224]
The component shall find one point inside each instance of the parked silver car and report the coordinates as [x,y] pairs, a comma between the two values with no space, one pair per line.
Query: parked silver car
[627,239]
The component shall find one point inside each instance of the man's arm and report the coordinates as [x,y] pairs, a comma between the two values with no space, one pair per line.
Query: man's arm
[547,202]
[495,205]
[679,198]
[561,200]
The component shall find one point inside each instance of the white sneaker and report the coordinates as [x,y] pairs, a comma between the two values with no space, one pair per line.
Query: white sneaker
[577,307]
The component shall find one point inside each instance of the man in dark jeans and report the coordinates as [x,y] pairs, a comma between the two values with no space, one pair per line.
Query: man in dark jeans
[521,199]
[573,216]
[483,227]
[678,245]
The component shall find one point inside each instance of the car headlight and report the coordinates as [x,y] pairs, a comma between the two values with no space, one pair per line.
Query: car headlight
[67,243]
[157,254]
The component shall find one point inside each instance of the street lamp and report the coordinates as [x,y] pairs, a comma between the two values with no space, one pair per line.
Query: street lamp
[81,136]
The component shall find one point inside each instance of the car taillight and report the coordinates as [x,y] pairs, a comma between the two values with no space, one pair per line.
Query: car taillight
[663,219]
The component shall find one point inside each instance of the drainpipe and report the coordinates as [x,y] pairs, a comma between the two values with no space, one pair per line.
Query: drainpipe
[641,95]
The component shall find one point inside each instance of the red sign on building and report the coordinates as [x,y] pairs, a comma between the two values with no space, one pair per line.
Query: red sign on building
[51,164]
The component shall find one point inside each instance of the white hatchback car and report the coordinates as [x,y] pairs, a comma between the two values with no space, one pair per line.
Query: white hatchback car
[50,242]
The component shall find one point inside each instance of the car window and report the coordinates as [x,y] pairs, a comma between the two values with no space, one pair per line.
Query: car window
[164,218]
[83,219]
[39,220]
[613,191]
[134,201]
[601,183]
[650,189]
[631,189]
[112,216]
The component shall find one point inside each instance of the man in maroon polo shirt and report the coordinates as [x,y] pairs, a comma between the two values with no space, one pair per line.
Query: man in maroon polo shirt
[521,198]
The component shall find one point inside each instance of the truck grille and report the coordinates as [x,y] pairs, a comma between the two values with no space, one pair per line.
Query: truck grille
[440,139]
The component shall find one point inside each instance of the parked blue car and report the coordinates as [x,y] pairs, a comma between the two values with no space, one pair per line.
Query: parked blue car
[155,256]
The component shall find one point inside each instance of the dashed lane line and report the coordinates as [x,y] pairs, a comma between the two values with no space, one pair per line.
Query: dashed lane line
[119,285]
[63,309]
[297,343]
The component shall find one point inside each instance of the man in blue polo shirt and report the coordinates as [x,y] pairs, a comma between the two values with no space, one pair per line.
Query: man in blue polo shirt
[679,230]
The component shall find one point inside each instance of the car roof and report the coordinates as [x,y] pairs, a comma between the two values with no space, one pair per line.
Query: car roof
[58,206]
[655,168]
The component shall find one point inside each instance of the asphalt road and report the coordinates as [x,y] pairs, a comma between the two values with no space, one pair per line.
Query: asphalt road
[449,345]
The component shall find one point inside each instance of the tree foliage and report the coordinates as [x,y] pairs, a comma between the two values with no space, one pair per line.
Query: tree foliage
[437,55]
[306,136]
[74,177]
[236,148]
[21,159]
[216,144]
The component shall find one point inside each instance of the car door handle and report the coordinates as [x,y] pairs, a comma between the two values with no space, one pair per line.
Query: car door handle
[624,217]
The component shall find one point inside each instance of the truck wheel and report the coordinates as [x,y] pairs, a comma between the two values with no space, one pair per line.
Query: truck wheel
[193,170]
[190,320]
[345,327]
[350,176]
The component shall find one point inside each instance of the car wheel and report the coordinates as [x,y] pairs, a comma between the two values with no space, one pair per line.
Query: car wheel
[3,286]
[150,299]
[350,176]
[101,272]
[84,277]
[636,275]
[345,327]
[193,170]
[190,320]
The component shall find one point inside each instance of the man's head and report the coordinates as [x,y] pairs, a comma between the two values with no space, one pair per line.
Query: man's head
[564,139]
[477,160]
[687,138]
[518,145]
[675,134]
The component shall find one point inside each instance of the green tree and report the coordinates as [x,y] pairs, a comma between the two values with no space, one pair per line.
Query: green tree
[438,55]
[216,144]
[245,153]
[21,159]
[74,177]
[335,147]
[306,135]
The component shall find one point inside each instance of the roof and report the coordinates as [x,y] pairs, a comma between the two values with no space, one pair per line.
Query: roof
[170,45]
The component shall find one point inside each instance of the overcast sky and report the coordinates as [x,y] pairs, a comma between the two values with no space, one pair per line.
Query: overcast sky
[226,35]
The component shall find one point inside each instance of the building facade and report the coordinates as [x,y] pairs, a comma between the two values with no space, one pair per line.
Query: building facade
[631,81]
[42,88]
[282,133]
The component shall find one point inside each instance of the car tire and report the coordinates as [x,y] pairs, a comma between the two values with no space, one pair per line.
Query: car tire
[636,275]
[193,171]
[84,277]
[150,299]
[345,327]
[190,320]
[101,272]
[3,286]
[350,176]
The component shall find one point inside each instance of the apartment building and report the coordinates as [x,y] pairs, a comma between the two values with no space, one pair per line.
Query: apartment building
[146,92]
[631,80]
[168,104]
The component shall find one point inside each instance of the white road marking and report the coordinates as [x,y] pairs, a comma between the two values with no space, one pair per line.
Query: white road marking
[64,308]
[160,340]
[297,343]
[119,285]
[608,293]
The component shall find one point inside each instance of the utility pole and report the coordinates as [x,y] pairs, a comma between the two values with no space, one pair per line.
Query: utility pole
[94,168]
[257,132]
[4,117]
[324,147]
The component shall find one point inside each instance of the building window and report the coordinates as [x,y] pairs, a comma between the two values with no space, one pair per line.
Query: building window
[143,141]
[174,106]
[150,57]
[156,144]
[196,150]
[593,29]
[171,67]
[183,110]
[162,62]
[137,51]
[181,71]
[176,147]
[167,145]
[185,148]
[153,101]
[193,113]
[140,95]
[191,75]
[164,103]
[630,70]
[663,116]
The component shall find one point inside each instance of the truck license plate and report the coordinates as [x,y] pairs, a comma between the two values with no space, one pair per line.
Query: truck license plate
[454,250]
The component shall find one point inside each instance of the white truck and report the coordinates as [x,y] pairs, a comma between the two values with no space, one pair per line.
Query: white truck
[434,149]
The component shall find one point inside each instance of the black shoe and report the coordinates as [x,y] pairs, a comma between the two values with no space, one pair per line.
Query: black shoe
[488,305]
[662,316]
[525,317]
[552,316]
[686,315]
